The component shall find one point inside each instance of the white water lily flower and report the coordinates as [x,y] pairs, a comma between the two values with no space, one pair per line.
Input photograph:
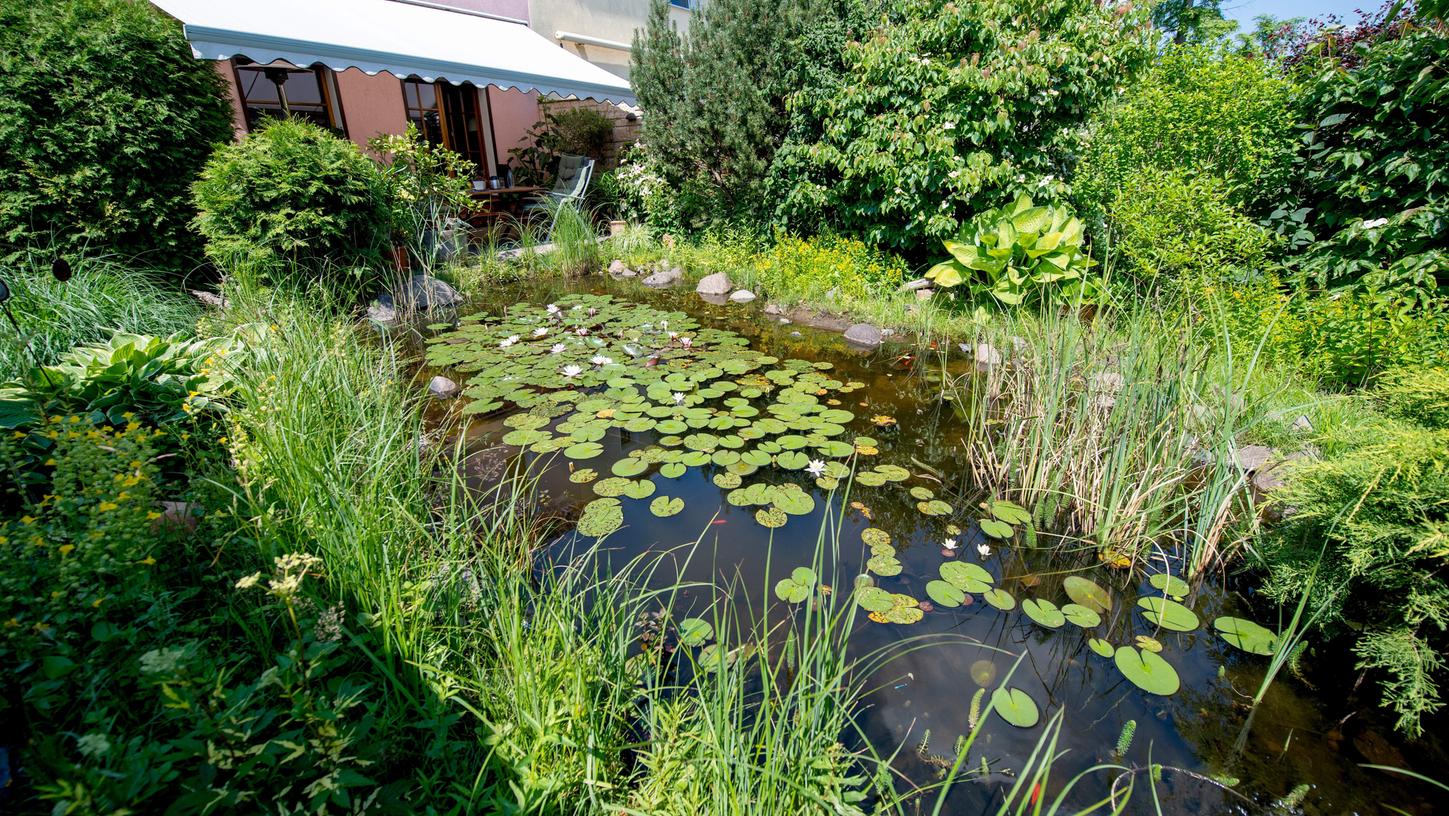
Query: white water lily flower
[581,331]
[601,360]
[815,468]
[540,331]
[1375,224]
[673,335]
[686,342]
[512,338]
[984,549]
[678,398]
[949,543]
[571,370]
[553,308]
[558,348]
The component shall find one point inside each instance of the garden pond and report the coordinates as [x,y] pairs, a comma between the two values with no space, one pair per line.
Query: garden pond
[729,440]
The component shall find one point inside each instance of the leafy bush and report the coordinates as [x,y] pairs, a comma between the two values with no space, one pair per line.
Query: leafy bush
[103,297]
[1367,541]
[578,131]
[294,195]
[1020,252]
[1197,111]
[105,120]
[1368,203]
[948,107]
[1168,226]
[811,268]
[1417,394]
[1348,338]
[429,189]
[636,191]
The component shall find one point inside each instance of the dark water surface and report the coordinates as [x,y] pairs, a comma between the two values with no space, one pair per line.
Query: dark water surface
[1315,731]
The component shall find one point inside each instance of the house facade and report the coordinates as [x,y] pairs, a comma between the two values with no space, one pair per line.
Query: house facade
[472,75]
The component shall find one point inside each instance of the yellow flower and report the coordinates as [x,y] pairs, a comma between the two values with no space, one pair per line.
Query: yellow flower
[148,560]
[97,603]
[152,516]
[27,519]
[50,462]
[106,507]
[66,549]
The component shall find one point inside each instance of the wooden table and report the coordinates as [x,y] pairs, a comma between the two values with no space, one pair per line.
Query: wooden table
[494,203]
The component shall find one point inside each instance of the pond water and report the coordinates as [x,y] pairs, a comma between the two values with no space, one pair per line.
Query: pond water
[1314,731]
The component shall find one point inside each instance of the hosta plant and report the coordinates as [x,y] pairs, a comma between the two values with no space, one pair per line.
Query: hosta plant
[1020,252]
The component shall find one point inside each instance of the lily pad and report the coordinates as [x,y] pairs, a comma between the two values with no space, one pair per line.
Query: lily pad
[611,487]
[1081,615]
[727,480]
[873,598]
[583,450]
[1100,646]
[870,478]
[672,470]
[601,517]
[945,594]
[966,576]
[629,466]
[797,587]
[934,507]
[1088,593]
[1043,612]
[1151,644]
[771,517]
[1170,584]
[695,631]
[1251,637]
[639,489]
[1015,706]
[1008,512]
[1147,671]
[875,537]
[996,529]
[884,565]
[666,506]
[1168,614]
[999,598]
[583,475]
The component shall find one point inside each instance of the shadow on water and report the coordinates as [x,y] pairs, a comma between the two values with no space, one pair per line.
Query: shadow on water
[1307,731]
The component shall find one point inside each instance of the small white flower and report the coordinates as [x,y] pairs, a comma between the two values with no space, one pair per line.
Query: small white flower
[678,398]
[576,307]
[601,360]
[954,174]
[571,370]
[815,468]
[949,126]
[540,331]
[686,342]
[984,549]
[664,324]
[558,348]
[1375,224]
[553,308]
[512,339]
[949,544]
[581,331]
[673,335]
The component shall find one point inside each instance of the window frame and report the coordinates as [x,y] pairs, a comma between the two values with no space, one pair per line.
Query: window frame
[331,103]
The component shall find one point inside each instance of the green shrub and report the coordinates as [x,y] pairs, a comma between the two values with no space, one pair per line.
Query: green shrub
[105,121]
[576,131]
[1349,338]
[101,298]
[292,195]
[1197,111]
[1167,226]
[1020,252]
[1417,394]
[814,268]
[946,108]
[1368,201]
[636,191]
[1367,540]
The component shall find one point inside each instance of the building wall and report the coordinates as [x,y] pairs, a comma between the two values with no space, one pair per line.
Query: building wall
[513,112]
[238,119]
[371,105]
[605,19]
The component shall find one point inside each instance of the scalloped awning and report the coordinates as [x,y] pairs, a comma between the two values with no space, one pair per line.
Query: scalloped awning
[402,39]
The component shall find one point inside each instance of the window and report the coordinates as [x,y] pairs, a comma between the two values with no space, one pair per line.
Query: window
[280,89]
[449,115]
[684,4]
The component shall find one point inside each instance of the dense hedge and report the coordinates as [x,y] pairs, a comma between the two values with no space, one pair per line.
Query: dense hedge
[105,121]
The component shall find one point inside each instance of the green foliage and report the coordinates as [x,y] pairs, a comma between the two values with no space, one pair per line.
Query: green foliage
[1198,111]
[102,297]
[1369,199]
[1167,226]
[1372,526]
[1192,21]
[636,191]
[428,189]
[576,131]
[716,99]
[1019,253]
[294,195]
[946,107]
[1348,338]
[1417,394]
[843,269]
[105,120]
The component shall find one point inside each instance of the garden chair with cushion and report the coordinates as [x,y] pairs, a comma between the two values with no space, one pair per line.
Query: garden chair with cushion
[574,175]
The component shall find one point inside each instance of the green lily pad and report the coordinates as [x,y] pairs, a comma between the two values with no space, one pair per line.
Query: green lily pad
[601,517]
[1008,512]
[999,598]
[894,473]
[1043,612]
[666,506]
[583,475]
[945,594]
[1168,614]
[583,450]
[884,565]
[875,537]
[1147,671]
[672,470]
[1015,706]
[966,576]
[934,507]
[1170,584]
[922,493]
[727,480]
[797,587]
[1081,615]
[639,489]
[795,502]
[1151,644]
[629,466]
[996,529]
[873,598]
[695,631]
[1100,646]
[611,487]
[1087,593]
[771,517]
[524,437]
[792,460]
[870,478]
[1251,637]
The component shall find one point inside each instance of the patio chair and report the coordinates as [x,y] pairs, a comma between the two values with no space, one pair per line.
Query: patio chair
[574,175]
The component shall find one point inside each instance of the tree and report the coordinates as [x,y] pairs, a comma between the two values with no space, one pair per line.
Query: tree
[1192,21]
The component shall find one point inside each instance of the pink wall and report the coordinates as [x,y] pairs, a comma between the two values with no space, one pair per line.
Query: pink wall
[514,112]
[238,121]
[370,104]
